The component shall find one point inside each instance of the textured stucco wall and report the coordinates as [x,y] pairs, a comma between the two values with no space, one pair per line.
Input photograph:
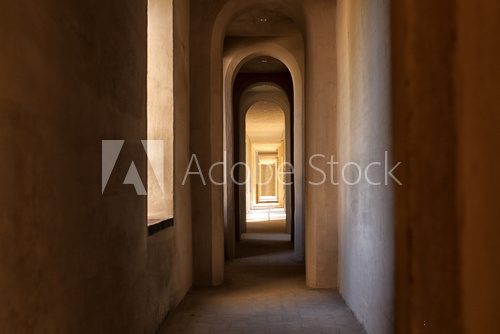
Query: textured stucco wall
[73,260]
[366,264]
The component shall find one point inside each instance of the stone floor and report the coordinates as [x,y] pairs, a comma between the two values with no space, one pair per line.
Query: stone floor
[264,292]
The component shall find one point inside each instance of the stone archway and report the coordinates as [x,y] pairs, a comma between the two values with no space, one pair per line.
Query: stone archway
[236,57]
[274,94]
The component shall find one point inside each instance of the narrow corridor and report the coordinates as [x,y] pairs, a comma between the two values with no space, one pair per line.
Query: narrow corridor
[264,292]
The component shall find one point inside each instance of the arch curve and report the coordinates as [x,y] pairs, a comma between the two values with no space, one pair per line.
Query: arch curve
[280,98]
[235,56]
[219,124]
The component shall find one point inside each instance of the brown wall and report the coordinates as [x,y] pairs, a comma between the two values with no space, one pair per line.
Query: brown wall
[478,106]
[446,113]
[72,260]
[428,225]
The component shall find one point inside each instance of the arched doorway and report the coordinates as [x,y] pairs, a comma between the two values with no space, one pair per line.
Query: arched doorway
[265,156]
[256,61]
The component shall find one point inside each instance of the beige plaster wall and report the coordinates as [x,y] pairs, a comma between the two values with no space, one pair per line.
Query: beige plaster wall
[208,261]
[73,260]
[169,262]
[320,117]
[366,238]
[160,108]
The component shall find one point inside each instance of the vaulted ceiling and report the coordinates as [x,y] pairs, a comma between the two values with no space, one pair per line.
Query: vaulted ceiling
[265,126]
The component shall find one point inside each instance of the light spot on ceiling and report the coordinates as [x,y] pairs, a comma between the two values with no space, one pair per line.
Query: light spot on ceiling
[262,23]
